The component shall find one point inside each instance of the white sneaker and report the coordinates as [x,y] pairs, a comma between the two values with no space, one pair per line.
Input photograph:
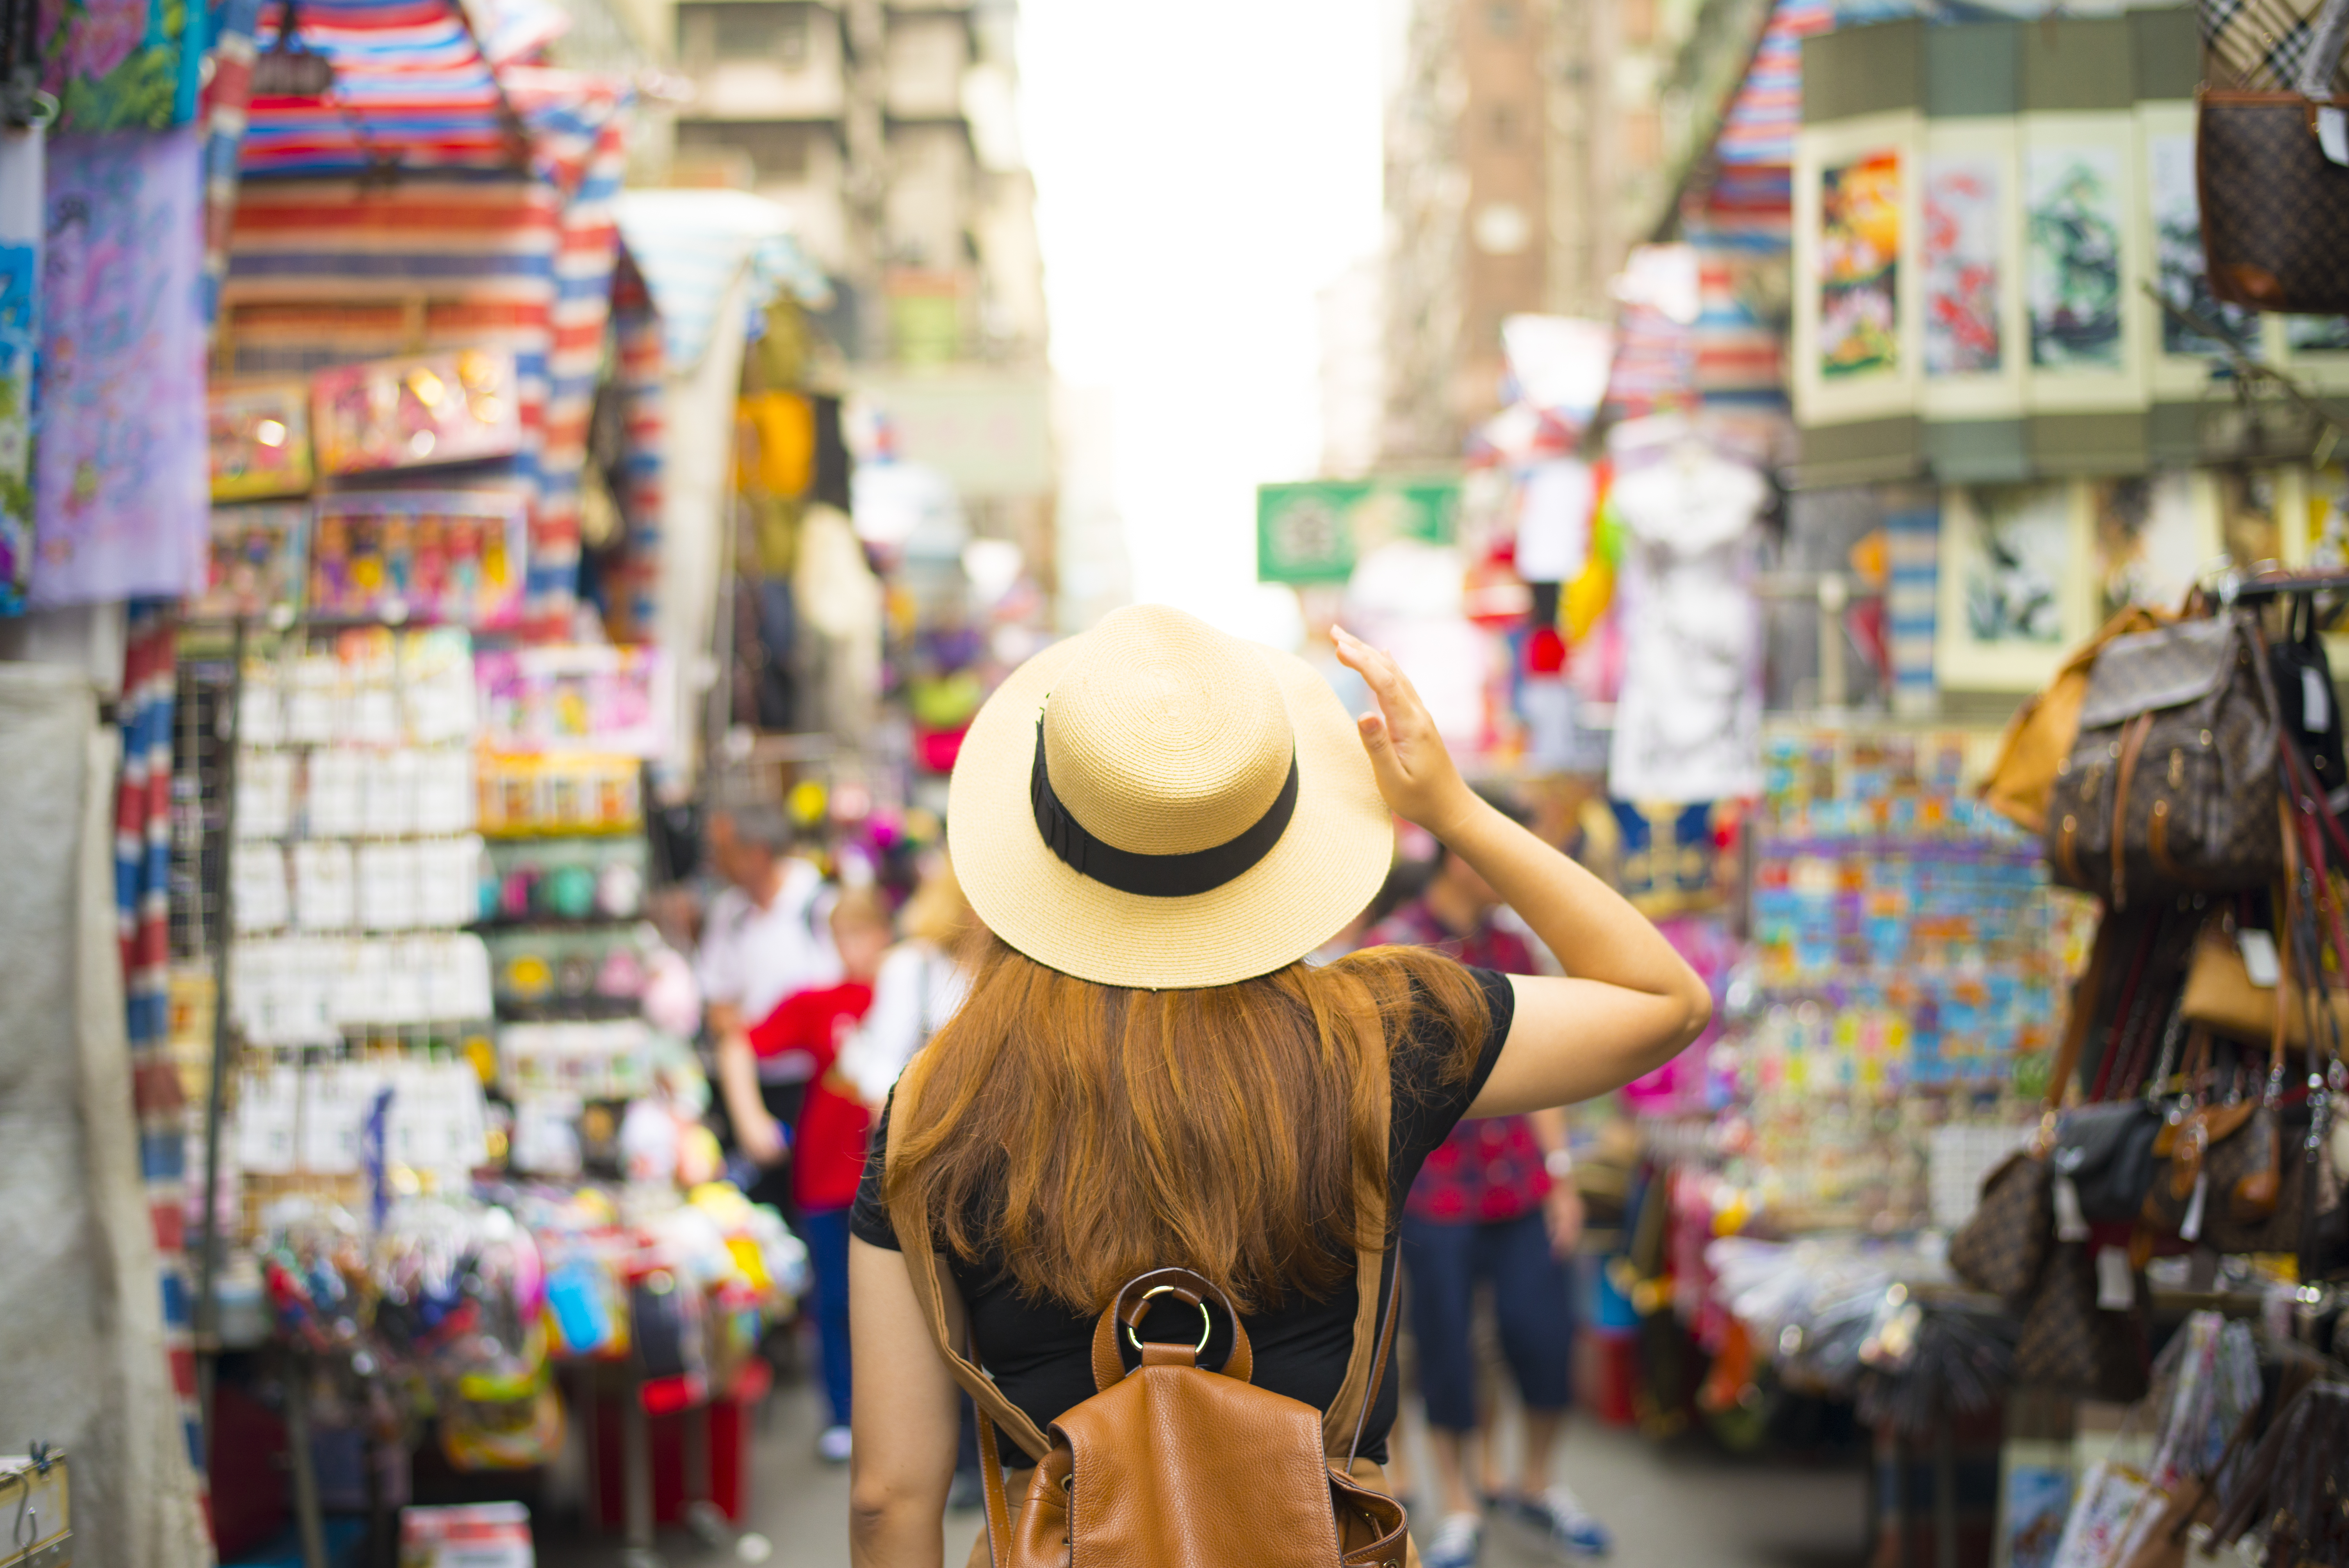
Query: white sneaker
[833,1447]
[1455,1544]
[1570,1525]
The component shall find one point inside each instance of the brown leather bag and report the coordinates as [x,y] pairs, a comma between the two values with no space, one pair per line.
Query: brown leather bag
[2220,997]
[2275,207]
[1171,1463]
[2040,734]
[2171,783]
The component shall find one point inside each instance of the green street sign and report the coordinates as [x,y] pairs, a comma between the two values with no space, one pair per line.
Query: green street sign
[1315,532]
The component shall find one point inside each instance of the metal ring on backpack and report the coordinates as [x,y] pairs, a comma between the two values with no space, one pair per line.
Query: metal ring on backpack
[1207,1323]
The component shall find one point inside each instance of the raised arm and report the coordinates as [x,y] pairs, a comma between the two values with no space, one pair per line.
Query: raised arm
[1631,1002]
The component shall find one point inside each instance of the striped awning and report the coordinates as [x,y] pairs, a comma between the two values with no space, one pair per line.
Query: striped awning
[412,92]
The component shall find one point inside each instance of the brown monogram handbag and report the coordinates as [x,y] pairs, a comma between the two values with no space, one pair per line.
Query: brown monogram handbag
[2273,173]
[2171,782]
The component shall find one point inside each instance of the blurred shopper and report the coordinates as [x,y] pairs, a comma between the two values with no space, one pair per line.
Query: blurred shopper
[824,1156]
[1157,823]
[1496,1204]
[764,939]
[922,981]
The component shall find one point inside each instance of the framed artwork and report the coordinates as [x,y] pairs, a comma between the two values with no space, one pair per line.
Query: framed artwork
[1856,268]
[2181,358]
[1970,312]
[2156,534]
[2018,588]
[2081,253]
[2315,348]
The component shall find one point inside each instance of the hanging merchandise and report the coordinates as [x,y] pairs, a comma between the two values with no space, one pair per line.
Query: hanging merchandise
[123,65]
[22,217]
[2276,212]
[259,562]
[119,471]
[1688,723]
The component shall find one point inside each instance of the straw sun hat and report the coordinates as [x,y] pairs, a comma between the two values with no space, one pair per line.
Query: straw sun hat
[1156,804]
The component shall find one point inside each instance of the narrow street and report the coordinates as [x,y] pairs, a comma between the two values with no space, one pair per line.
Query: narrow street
[1678,1508]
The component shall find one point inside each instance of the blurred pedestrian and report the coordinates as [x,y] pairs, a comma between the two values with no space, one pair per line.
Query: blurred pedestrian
[764,939]
[922,981]
[1496,1204]
[823,1157]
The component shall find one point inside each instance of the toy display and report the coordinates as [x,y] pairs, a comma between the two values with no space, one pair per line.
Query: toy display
[450,557]
[258,563]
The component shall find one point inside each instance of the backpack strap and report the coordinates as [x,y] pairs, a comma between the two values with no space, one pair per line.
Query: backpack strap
[909,1216]
[1341,1424]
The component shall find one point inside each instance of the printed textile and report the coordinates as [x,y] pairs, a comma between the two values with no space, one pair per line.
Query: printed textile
[121,483]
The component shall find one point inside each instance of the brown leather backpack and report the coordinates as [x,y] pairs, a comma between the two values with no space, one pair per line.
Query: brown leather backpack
[1171,1463]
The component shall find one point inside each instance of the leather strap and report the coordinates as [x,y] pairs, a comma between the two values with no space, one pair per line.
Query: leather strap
[2076,1028]
[1377,1368]
[909,1216]
[2132,749]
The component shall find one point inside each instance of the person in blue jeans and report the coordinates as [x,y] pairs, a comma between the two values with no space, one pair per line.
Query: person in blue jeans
[1496,1204]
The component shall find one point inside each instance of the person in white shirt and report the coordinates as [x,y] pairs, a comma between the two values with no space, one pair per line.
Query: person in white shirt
[766,938]
[922,981]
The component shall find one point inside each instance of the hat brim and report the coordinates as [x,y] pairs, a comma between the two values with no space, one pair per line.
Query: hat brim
[1329,864]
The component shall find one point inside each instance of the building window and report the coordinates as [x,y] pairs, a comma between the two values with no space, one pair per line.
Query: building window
[777,153]
[1501,18]
[747,30]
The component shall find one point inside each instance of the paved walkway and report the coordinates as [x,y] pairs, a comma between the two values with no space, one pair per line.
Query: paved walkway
[1668,1509]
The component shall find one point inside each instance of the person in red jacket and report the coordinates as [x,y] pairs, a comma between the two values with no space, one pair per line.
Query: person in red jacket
[827,1152]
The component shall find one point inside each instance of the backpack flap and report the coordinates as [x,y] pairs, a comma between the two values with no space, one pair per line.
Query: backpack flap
[2148,671]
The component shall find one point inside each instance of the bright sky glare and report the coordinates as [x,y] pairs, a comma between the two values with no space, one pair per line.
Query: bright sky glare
[1201,171]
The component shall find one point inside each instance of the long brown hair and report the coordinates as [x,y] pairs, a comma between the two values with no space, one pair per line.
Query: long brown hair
[1085,1133]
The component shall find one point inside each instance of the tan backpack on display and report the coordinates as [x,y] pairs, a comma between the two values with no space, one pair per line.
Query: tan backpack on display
[1170,1463]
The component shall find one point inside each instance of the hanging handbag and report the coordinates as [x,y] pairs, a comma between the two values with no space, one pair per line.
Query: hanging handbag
[2040,734]
[2272,169]
[2306,703]
[2003,1246]
[2170,783]
[2221,996]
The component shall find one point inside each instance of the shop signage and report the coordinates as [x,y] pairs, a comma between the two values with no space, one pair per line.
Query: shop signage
[1315,532]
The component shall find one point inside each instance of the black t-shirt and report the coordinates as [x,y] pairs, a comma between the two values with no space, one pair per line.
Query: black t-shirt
[1041,1352]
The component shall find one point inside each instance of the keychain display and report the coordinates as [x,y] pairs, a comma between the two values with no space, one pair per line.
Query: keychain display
[554,972]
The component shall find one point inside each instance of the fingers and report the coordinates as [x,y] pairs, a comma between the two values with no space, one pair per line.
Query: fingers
[1373,729]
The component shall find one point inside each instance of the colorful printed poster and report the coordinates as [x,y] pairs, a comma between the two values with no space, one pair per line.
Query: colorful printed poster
[2038,1501]
[2180,271]
[120,475]
[1859,265]
[2153,541]
[2073,232]
[448,556]
[118,65]
[1962,195]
